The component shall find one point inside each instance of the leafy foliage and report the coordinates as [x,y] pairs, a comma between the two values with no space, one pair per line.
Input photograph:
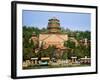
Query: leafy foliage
[69,44]
[65,56]
[82,35]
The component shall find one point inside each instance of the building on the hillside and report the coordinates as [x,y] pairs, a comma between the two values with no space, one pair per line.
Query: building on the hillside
[85,42]
[34,39]
[53,37]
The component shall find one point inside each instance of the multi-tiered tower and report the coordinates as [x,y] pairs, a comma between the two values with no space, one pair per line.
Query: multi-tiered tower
[54,25]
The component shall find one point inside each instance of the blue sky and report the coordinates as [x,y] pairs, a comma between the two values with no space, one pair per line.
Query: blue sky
[73,21]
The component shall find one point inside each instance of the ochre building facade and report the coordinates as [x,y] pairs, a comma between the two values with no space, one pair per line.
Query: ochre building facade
[54,36]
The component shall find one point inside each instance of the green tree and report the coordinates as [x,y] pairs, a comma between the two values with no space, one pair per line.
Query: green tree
[27,53]
[82,51]
[82,35]
[71,45]
[64,56]
[29,48]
